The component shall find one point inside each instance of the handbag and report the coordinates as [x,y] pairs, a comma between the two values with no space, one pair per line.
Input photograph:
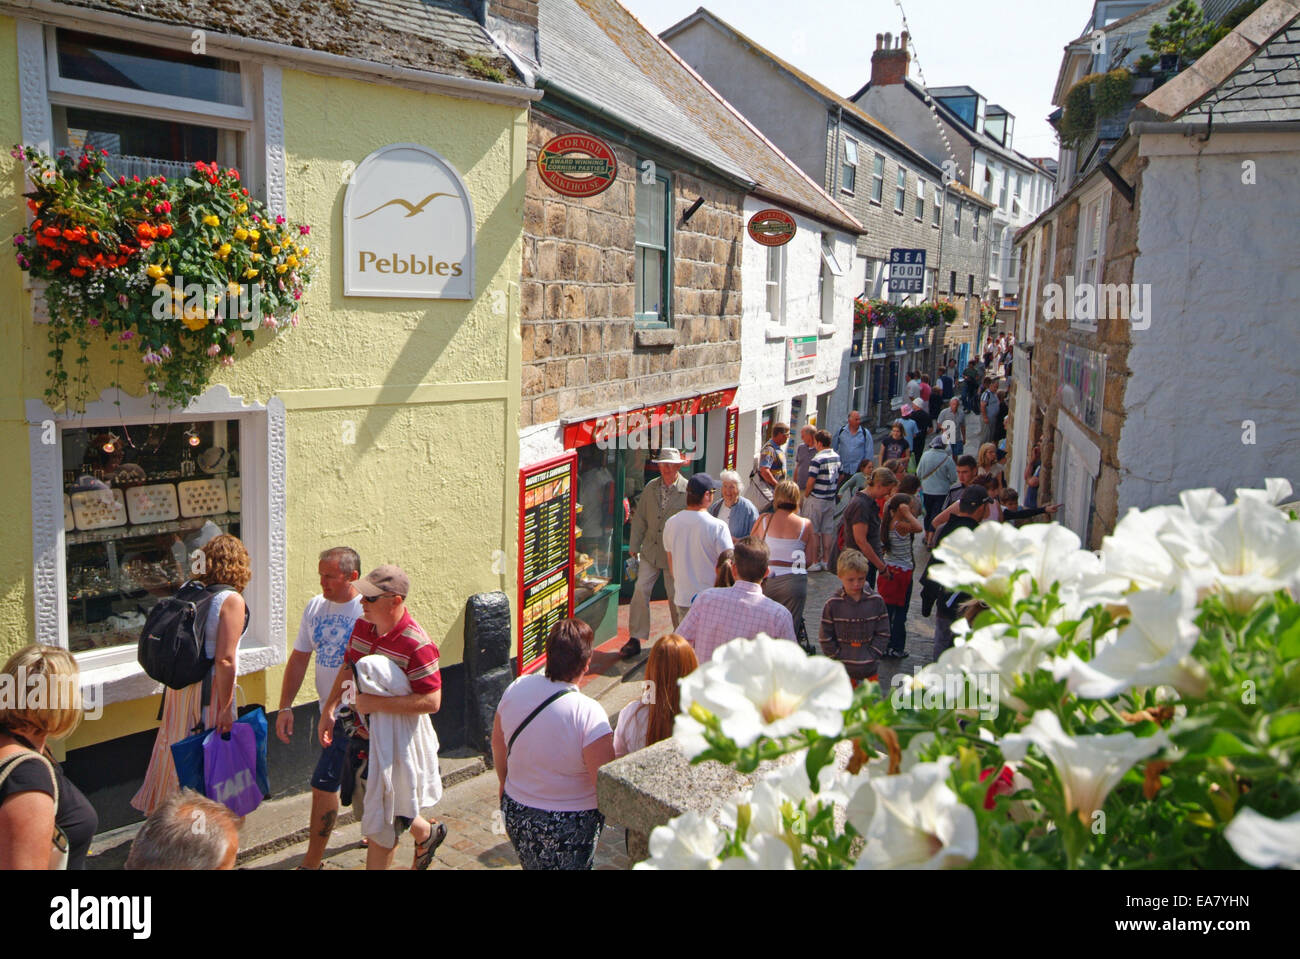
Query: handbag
[230,768]
[59,841]
[893,587]
[187,754]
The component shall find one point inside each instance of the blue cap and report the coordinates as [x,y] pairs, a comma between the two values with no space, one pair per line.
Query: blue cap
[701,483]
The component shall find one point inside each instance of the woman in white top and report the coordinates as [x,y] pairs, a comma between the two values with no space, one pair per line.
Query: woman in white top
[225,562]
[645,721]
[788,536]
[548,742]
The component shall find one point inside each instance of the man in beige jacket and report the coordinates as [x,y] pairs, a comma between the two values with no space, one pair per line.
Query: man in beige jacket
[661,498]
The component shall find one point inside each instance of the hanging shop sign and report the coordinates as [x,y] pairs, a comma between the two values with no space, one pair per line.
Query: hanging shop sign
[408,227]
[608,428]
[577,164]
[906,271]
[733,438]
[772,227]
[800,357]
[1083,383]
[546,552]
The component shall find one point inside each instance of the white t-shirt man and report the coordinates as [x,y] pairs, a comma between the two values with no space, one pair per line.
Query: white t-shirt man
[694,540]
[326,628]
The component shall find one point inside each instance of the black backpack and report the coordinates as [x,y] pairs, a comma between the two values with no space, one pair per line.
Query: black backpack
[171,643]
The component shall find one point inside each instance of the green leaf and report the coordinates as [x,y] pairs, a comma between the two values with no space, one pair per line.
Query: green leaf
[1284,725]
[1288,643]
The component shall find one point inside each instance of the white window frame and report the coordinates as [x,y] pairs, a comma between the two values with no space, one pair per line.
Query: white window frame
[262,529]
[995,251]
[975,226]
[1098,199]
[878,179]
[1002,191]
[956,218]
[849,162]
[918,209]
[900,190]
[778,285]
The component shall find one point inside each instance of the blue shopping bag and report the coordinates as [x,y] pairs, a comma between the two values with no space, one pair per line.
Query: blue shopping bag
[188,753]
[230,768]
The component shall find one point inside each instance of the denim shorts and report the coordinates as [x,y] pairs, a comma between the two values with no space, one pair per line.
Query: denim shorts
[329,768]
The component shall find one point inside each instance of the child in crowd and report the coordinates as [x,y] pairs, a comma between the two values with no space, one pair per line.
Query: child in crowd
[855,623]
[725,569]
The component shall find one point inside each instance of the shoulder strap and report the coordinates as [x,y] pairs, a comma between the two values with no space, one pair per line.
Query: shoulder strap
[533,715]
[933,471]
[764,521]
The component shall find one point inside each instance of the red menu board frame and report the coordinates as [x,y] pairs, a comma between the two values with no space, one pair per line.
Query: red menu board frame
[733,438]
[534,480]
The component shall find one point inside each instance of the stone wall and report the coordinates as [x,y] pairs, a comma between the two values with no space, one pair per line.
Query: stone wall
[582,352]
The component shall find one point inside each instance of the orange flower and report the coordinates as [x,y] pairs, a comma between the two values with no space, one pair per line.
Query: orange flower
[146,231]
[164,230]
[76,272]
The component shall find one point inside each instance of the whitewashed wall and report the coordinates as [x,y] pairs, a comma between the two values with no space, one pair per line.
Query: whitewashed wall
[762,349]
[1224,338]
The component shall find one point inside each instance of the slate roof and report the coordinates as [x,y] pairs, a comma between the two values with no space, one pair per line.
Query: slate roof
[601,52]
[1251,75]
[851,109]
[437,36]
[979,140]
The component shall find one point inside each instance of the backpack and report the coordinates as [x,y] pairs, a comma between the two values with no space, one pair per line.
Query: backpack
[171,644]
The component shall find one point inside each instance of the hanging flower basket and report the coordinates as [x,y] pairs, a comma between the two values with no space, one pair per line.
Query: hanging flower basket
[904,319]
[178,271]
[988,314]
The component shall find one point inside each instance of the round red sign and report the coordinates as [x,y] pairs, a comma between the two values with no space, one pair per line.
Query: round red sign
[772,227]
[577,164]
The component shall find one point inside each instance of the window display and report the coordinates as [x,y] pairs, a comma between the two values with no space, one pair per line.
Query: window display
[139,501]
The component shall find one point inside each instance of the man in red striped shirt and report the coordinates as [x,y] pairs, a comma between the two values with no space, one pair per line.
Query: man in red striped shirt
[387,629]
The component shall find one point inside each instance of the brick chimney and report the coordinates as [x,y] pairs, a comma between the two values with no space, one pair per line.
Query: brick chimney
[890,61]
[512,22]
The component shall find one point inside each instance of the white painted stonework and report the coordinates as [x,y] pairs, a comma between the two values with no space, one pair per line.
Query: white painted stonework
[1221,351]
[762,342]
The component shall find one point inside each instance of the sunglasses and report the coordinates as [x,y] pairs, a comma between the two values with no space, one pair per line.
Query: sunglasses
[374,599]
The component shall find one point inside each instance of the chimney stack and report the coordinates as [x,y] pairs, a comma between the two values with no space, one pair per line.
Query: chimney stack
[889,63]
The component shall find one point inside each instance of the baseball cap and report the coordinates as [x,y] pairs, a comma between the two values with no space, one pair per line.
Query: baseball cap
[701,483]
[381,580]
[973,497]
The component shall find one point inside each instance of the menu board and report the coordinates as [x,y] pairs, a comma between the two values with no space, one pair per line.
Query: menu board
[546,547]
[733,437]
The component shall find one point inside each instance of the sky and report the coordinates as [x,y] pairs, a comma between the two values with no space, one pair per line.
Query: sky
[1008,50]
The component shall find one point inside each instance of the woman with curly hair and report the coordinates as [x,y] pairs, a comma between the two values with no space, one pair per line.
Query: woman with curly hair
[223,625]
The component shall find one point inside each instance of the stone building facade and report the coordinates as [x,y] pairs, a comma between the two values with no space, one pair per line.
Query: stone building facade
[582,351]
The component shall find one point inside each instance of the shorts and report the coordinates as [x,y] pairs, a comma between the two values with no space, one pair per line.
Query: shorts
[329,767]
[822,514]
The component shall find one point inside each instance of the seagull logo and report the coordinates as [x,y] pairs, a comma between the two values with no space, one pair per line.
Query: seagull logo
[417,208]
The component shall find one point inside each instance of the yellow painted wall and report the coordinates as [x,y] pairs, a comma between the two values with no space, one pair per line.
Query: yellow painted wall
[431,386]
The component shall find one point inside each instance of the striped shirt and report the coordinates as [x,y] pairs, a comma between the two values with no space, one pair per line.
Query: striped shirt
[724,613]
[856,632]
[407,645]
[825,474]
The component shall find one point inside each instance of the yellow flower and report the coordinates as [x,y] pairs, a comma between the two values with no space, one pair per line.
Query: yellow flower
[154,270]
[275,251]
[242,208]
[281,268]
[232,288]
[257,258]
[305,251]
[168,271]
[241,234]
[254,235]
[250,273]
[194,319]
[292,261]
[211,220]
[223,251]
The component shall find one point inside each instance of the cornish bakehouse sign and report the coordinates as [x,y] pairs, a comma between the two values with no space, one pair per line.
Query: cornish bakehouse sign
[577,164]
[408,227]
[772,227]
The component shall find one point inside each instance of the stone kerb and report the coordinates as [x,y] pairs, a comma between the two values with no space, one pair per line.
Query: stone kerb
[649,787]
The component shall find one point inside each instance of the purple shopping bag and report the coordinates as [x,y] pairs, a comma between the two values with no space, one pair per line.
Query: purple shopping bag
[230,769]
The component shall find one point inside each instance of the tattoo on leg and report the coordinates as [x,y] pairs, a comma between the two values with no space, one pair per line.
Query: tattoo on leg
[327,821]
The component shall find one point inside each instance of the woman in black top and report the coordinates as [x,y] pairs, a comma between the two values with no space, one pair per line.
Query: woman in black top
[34,831]
[895,445]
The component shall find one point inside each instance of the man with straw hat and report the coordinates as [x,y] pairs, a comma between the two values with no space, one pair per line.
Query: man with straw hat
[663,497]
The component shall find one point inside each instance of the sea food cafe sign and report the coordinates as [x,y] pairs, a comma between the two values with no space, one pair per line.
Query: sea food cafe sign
[408,227]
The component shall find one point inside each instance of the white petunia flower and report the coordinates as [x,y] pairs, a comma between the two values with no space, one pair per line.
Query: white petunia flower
[1056,556]
[1264,842]
[1276,491]
[1255,551]
[914,821]
[1088,767]
[985,556]
[785,784]
[768,687]
[765,852]
[1154,649]
[689,735]
[1012,656]
[690,841]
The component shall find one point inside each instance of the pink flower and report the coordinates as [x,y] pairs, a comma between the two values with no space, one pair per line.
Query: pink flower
[304,230]
[269,322]
[214,349]
[227,361]
[122,300]
[165,352]
[294,319]
[126,334]
[232,339]
[93,321]
[151,358]
[279,221]
[297,294]
[22,262]
[19,240]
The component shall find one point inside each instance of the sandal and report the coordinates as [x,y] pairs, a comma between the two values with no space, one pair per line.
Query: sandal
[424,850]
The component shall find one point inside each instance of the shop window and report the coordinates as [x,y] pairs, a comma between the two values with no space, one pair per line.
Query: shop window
[598,517]
[139,501]
[155,110]
[770,415]
[653,249]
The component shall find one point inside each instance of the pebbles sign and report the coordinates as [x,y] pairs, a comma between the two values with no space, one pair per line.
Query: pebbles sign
[408,227]
[576,164]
